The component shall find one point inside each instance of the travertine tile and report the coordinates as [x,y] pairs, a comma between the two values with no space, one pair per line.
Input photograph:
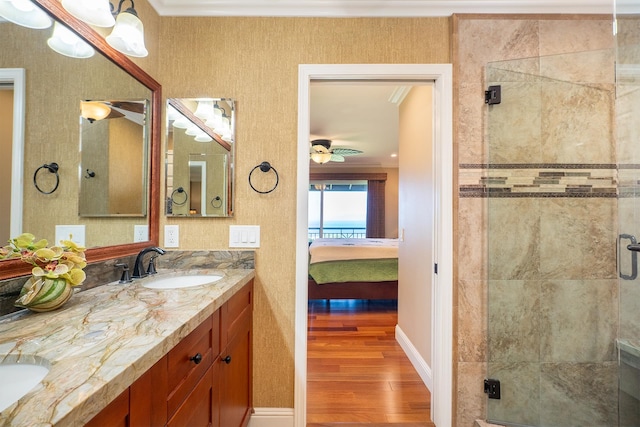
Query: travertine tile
[520,387]
[472,321]
[471,401]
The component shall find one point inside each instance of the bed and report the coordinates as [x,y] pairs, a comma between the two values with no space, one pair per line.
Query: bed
[353,269]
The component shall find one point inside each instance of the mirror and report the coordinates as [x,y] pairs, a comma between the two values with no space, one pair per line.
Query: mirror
[113,166]
[199,157]
[55,86]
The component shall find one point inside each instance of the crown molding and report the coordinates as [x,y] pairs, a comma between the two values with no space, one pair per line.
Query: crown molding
[375,8]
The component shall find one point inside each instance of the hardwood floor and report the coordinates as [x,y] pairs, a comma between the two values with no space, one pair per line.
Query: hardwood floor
[357,374]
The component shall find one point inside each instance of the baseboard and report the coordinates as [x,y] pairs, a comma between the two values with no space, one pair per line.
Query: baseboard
[271,417]
[416,359]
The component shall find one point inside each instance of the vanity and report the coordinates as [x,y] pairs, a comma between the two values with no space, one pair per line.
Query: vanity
[131,355]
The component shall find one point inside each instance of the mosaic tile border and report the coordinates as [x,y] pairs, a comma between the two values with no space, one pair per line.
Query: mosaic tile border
[547,180]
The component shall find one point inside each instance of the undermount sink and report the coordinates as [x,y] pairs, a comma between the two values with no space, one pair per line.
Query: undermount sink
[179,282]
[18,378]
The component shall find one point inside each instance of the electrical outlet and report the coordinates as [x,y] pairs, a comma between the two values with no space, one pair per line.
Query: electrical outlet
[171,236]
[140,233]
[75,233]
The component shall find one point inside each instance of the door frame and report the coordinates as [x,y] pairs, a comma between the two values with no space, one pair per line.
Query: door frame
[442,305]
[16,77]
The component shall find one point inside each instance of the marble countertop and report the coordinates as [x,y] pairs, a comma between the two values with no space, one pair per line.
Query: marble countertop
[102,340]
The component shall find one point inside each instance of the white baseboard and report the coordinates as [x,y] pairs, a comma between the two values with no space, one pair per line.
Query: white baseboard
[271,417]
[416,359]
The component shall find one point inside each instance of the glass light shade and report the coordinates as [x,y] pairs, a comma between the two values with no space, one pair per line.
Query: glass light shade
[92,110]
[181,122]
[93,12]
[192,130]
[204,110]
[24,13]
[128,35]
[321,157]
[203,137]
[67,43]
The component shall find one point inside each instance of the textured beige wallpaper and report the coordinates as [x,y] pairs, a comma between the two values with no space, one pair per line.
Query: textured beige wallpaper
[255,61]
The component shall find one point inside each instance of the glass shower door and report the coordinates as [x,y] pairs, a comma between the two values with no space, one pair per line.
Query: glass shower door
[628,137]
[552,227]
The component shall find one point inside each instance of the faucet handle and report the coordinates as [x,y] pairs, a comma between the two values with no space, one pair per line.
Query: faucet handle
[151,269]
[126,276]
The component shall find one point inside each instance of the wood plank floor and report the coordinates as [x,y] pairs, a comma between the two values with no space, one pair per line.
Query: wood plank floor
[357,374]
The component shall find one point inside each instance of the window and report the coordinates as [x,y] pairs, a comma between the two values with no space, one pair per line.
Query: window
[337,209]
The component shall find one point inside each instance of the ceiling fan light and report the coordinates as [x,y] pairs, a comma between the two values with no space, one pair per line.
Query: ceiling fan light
[321,158]
[93,110]
[67,43]
[25,14]
[93,12]
[128,35]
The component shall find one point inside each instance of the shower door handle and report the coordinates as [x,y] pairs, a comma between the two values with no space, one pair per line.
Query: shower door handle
[634,248]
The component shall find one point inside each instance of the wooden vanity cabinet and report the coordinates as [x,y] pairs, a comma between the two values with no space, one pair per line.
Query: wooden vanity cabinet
[235,359]
[205,380]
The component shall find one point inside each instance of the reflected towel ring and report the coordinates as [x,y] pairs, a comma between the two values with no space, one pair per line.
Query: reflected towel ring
[51,167]
[264,167]
[90,174]
[216,202]
[179,190]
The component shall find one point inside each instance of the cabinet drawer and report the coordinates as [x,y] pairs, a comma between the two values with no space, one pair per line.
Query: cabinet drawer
[234,311]
[187,362]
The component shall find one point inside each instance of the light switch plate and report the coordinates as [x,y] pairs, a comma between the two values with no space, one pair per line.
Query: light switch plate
[75,233]
[244,236]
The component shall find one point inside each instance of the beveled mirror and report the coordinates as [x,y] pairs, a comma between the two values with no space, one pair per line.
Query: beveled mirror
[199,158]
[53,122]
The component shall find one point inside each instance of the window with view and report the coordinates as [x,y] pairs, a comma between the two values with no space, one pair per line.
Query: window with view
[337,209]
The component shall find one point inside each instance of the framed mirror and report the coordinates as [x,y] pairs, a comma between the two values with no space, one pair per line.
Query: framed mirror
[200,157]
[52,134]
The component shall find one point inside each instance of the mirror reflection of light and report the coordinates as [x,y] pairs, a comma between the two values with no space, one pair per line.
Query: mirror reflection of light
[96,12]
[204,110]
[24,13]
[181,122]
[192,130]
[67,43]
[203,137]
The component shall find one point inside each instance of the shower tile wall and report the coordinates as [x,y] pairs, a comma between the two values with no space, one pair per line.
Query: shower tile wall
[536,215]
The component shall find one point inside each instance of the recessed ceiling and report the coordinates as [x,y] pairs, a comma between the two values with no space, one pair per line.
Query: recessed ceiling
[372,8]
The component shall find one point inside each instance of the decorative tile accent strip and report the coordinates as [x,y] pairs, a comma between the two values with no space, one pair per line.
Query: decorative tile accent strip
[546,180]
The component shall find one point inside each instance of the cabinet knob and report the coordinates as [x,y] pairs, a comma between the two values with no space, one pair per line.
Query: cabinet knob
[227,360]
[196,359]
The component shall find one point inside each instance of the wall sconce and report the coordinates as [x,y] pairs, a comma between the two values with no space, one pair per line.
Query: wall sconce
[128,31]
[24,13]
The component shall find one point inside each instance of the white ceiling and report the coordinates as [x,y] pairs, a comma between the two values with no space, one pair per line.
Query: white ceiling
[362,8]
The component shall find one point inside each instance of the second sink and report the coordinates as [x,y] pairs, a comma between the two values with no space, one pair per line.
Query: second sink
[18,378]
[178,282]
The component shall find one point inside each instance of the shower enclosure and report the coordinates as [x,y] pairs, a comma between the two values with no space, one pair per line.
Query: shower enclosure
[563,237]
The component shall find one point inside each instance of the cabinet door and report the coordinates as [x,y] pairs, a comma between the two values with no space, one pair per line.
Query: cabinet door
[200,408]
[116,414]
[235,377]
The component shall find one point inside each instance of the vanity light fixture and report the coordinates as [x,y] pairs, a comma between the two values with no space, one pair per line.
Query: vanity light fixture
[93,110]
[66,42]
[24,13]
[204,110]
[128,31]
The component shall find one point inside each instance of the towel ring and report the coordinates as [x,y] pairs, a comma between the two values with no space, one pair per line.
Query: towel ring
[179,190]
[51,167]
[264,167]
[216,202]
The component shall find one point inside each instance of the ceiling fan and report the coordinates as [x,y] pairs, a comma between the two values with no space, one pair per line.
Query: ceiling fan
[321,152]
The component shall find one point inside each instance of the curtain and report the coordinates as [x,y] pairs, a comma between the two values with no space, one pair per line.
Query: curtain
[375,209]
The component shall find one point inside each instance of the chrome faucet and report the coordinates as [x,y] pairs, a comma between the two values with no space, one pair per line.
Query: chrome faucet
[138,270]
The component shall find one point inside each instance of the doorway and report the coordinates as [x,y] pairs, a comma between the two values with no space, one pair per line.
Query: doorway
[12,102]
[441,357]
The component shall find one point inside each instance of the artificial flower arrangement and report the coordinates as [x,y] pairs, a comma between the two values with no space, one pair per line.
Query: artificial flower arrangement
[56,270]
